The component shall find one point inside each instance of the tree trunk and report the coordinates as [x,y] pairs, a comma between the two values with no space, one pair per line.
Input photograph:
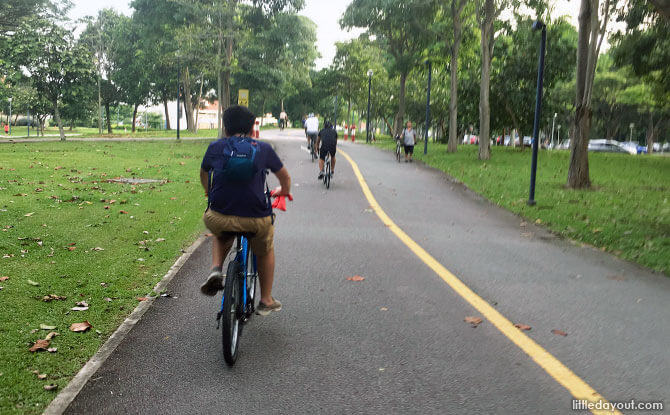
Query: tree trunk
[350,118]
[109,122]
[188,102]
[227,73]
[485,85]
[135,116]
[99,107]
[590,38]
[578,173]
[197,105]
[219,104]
[59,121]
[401,105]
[167,114]
[456,11]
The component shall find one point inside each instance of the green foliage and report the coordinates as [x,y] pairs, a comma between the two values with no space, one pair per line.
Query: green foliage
[515,58]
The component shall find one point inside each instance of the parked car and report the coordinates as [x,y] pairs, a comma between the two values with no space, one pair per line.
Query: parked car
[607,146]
[629,146]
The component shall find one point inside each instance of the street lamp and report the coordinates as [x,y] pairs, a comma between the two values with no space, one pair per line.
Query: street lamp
[552,129]
[537,25]
[632,125]
[367,125]
[430,74]
[10,115]
[178,95]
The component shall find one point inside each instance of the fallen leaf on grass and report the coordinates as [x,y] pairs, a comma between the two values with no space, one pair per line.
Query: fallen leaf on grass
[97,248]
[80,327]
[356,278]
[47,327]
[522,326]
[559,332]
[71,248]
[42,376]
[52,297]
[79,308]
[2,279]
[173,198]
[142,298]
[40,345]
[33,283]
[51,335]
[123,212]
[82,304]
[52,349]
[29,214]
[160,240]
[21,194]
[474,321]
[51,387]
[538,221]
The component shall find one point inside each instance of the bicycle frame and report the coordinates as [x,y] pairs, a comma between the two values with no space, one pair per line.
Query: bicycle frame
[242,247]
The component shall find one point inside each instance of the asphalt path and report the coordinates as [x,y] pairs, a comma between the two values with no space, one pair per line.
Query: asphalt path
[396,342]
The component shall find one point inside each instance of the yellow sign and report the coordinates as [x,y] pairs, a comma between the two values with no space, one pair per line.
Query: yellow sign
[243,97]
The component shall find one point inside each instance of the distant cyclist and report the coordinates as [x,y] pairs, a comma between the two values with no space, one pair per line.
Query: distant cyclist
[311,129]
[326,142]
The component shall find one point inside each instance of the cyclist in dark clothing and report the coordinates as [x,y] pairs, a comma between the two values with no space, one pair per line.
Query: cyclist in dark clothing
[326,142]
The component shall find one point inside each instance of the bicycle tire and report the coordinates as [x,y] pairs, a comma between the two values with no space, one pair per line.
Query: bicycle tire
[252,282]
[231,318]
[397,153]
[326,176]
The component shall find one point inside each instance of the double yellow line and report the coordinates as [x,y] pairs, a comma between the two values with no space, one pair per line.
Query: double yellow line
[562,374]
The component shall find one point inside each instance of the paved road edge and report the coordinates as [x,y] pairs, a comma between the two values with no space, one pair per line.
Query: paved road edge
[70,392]
[577,387]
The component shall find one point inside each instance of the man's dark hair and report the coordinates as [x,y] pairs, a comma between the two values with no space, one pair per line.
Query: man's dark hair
[238,120]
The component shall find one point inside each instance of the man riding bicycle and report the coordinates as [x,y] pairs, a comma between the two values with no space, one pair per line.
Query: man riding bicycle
[326,142]
[311,129]
[237,202]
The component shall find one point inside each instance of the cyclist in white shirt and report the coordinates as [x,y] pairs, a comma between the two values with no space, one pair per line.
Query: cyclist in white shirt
[311,129]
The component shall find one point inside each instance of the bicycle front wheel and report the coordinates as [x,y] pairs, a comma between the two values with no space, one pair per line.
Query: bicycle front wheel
[231,316]
[397,153]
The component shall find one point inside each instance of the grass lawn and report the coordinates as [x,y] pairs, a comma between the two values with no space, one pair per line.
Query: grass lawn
[19,133]
[626,213]
[81,132]
[65,230]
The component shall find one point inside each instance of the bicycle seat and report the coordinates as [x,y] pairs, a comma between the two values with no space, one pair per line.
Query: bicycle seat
[226,235]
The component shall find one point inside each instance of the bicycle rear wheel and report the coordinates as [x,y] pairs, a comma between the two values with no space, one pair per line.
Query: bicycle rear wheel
[326,176]
[252,281]
[397,153]
[231,315]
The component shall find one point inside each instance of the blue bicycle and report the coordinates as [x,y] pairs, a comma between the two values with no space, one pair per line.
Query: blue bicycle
[239,298]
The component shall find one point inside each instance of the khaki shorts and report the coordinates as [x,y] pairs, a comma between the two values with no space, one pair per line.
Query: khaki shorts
[262,241]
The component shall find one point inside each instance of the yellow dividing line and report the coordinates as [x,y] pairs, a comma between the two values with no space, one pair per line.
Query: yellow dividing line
[561,373]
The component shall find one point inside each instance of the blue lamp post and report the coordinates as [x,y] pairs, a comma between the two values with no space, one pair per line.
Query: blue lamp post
[538,25]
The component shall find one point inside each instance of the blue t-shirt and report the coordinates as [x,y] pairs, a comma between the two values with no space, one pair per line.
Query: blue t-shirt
[247,198]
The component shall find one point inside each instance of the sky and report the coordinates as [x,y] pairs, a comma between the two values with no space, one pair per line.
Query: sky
[325,13]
